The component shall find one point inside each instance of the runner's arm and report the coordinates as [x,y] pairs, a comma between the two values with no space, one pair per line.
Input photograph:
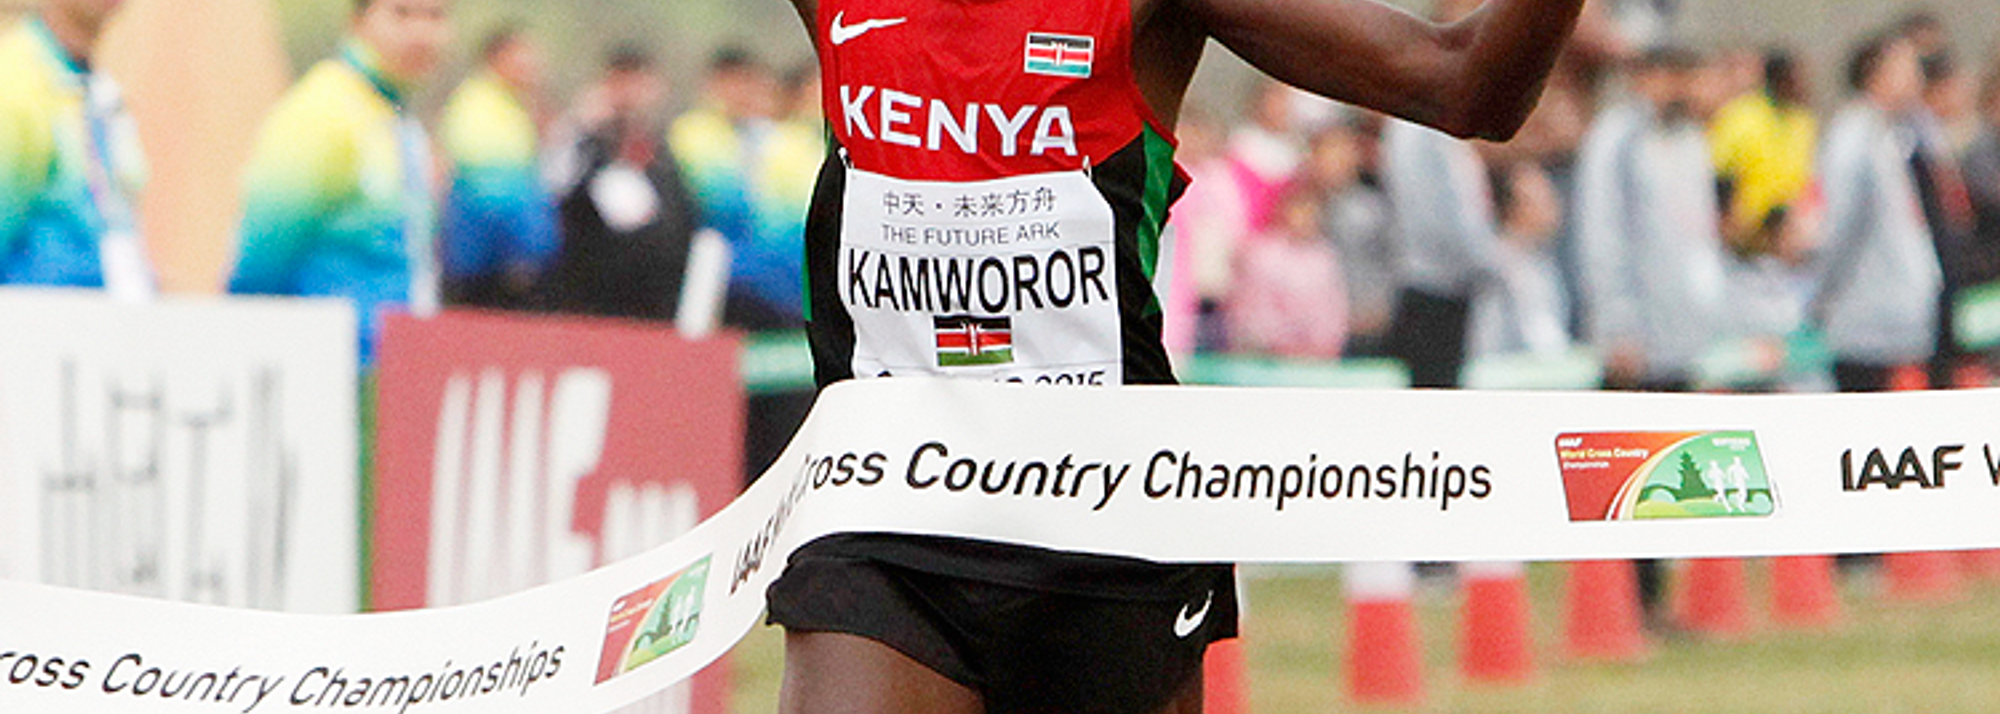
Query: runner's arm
[1478,77]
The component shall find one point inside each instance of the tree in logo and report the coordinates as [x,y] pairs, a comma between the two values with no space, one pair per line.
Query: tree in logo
[1692,486]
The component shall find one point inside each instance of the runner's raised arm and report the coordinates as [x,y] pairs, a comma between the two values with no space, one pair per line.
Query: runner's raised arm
[1478,77]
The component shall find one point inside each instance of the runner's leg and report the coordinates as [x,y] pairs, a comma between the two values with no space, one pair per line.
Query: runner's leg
[834,673]
[1189,701]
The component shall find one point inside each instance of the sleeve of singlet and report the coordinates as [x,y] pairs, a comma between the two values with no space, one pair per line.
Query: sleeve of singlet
[303,165]
[27,147]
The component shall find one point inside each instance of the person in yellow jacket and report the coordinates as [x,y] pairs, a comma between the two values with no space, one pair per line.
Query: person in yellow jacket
[70,164]
[499,230]
[340,198]
[1763,144]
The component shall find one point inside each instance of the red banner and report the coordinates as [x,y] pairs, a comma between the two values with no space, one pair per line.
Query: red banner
[512,451]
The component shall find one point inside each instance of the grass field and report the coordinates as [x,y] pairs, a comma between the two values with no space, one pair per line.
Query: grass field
[1886,658]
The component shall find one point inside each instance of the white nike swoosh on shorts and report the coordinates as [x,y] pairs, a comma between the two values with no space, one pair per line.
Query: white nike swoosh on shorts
[1187,622]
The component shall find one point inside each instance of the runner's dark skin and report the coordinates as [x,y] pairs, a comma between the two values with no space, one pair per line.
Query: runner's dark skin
[1475,78]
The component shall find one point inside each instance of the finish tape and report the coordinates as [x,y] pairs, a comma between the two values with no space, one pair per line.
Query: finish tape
[1170,474]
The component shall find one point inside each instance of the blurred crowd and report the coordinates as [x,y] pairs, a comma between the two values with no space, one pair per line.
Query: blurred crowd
[1663,203]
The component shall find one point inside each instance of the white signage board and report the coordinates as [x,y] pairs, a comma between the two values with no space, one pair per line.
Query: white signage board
[201,450]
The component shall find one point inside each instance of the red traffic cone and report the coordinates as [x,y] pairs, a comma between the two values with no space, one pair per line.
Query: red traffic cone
[1603,621]
[1712,599]
[1803,595]
[1925,577]
[1494,643]
[1972,375]
[1931,576]
[1384,663]
[1222,673]
[1909,378]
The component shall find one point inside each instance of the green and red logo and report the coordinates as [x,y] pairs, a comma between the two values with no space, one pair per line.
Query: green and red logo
[1060,55]
[966,341]
[652,621]
[1656,475]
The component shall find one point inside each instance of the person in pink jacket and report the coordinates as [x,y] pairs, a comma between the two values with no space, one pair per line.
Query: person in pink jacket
[1289,299]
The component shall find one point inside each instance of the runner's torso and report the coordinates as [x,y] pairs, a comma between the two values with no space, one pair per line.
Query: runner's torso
[992,204]
[990,208]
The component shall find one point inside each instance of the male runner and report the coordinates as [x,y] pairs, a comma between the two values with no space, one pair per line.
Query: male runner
[991,209]
[69,158]
[339,198]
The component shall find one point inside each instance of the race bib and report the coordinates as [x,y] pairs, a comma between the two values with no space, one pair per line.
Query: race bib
[1009,280]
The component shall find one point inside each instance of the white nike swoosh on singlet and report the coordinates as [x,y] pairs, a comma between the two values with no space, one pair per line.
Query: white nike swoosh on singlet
[840,34]
[1187,622]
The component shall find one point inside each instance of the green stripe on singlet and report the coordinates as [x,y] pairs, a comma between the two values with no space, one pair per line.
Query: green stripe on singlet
[1159,189]
[1158,193]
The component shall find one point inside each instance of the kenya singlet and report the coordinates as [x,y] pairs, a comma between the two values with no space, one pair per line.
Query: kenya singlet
[992,205]
[991,208]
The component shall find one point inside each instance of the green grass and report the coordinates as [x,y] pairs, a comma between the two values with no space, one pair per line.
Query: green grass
[1886,658]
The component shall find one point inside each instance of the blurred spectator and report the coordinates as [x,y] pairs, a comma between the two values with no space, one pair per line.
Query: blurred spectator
[1439,191]
[1522,312]
[1763,144]
[340,198]
[1982,168]
[1951,96]
[1746,70]
[1266,152]
[1555,130]
[499,222]
[792,161]
[1946,102]
[1925,31]
[725,148]
[1208,224]
[1447,250]
[1876,276]
[1762,139]
[627,217]
[1346,166]
[1649,24]
[1717,82]
[1209,212]
[791,165]
[1288,300]
[70,164]
[1648,231]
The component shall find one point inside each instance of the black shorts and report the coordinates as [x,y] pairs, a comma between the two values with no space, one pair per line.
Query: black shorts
[1023,649]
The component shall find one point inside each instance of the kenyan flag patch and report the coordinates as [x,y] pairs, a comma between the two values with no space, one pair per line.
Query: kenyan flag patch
[1060,55]
[966,341]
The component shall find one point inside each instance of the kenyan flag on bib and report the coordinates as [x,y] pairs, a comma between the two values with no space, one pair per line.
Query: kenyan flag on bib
[966,341]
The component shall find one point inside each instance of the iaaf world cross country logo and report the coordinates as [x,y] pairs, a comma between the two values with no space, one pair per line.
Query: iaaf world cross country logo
[1626,476]
[652,621]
